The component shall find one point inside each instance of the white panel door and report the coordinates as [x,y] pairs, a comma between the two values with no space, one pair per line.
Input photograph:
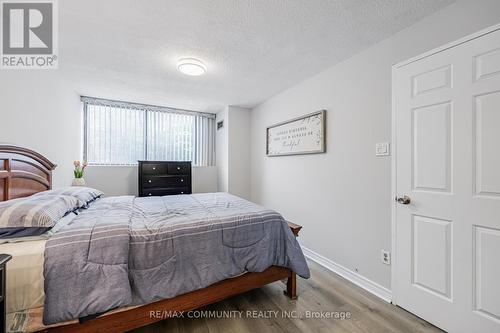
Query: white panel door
[447,109]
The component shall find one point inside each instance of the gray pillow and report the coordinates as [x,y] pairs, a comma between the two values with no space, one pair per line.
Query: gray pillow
[84,195]
[33,215]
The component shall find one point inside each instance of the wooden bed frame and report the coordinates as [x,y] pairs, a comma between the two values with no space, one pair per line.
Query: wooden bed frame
[24,172]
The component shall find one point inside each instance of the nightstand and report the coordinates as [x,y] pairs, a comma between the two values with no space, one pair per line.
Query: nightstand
[4,258]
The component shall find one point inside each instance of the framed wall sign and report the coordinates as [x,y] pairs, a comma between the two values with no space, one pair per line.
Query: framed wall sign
[303,135]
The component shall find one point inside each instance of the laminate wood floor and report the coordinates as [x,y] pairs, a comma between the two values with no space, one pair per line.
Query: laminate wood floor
[324,294]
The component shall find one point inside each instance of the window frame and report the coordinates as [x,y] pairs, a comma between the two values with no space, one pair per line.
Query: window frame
[146,108]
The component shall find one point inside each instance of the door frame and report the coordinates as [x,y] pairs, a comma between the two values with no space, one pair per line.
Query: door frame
[394,255]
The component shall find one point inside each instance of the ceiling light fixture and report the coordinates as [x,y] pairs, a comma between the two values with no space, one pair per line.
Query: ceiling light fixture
[191,66]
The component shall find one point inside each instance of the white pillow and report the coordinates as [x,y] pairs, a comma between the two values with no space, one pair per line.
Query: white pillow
[33,215]
[84,195]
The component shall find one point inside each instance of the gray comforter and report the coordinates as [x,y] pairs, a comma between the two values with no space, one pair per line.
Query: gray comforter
[126,251]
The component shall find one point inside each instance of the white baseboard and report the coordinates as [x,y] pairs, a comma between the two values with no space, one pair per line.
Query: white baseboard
[350,275]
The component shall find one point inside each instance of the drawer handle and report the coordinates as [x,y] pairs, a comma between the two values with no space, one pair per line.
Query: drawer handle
[149,181]
[154,168]
[182,192]
[182,180]
[178,168]
[149,194]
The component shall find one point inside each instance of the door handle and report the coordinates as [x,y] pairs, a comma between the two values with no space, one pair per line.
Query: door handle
[405,200]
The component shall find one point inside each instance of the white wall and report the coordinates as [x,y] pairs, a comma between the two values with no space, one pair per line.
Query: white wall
[233,151]
[122,180]
[221,151]
[40,109]
[113,180]
[343,197]
[204,179]
[239,152]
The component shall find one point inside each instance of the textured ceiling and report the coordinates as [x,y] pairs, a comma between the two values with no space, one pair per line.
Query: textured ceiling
[127,49]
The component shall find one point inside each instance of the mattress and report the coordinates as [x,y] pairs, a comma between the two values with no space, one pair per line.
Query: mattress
[133,239]
[141,250]
[24,285]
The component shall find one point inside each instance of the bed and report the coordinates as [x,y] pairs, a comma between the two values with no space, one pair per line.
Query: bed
[147,255]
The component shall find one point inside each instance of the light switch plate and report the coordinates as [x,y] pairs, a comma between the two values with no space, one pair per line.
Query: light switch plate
[382,149]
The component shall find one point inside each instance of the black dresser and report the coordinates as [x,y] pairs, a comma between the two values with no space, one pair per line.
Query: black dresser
[157,178]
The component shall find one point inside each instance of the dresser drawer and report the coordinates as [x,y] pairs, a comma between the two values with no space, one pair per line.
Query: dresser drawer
[164,181]
[154,168]
[179,168]
[165,191]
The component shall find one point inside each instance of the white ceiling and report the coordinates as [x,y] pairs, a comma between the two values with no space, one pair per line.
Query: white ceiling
[128,49]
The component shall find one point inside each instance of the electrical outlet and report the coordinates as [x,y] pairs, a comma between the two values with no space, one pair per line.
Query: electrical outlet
[385,256]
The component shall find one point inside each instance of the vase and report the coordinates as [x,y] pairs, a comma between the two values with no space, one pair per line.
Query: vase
[78,182]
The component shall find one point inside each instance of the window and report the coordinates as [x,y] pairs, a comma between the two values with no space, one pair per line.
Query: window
[120,133]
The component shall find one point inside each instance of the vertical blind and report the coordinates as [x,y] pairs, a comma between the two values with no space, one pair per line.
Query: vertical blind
[121,133]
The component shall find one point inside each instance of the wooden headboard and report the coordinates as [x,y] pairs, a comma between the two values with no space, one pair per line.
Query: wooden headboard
[23,172]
